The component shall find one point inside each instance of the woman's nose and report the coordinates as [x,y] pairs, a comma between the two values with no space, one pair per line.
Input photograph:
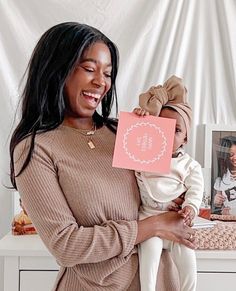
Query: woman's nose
[99,80]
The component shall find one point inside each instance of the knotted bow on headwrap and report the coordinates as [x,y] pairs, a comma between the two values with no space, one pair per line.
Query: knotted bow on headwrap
[172,94]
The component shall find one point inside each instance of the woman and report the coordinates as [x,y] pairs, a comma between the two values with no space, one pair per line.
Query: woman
[84,210]
[225,184]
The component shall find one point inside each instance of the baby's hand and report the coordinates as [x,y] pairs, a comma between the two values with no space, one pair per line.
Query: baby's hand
[140,112]
[188,214]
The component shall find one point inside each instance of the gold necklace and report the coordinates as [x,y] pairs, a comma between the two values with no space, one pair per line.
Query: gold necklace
[89,133]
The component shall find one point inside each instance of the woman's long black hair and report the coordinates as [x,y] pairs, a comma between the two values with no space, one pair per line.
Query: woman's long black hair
[54,58]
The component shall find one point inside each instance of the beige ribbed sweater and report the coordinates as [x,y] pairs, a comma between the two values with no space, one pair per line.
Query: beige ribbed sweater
[84,210]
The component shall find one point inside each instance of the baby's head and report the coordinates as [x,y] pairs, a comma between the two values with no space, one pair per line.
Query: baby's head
[170,101]
[182,113]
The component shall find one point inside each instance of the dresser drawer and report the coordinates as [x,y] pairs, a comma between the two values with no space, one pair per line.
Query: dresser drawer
[37,280]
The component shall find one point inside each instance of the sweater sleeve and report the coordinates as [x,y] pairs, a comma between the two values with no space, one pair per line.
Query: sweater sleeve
[195,187]
[217,184]
[49,211]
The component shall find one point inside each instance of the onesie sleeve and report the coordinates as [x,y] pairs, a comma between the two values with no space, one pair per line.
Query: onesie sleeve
[195,187]
[46,205]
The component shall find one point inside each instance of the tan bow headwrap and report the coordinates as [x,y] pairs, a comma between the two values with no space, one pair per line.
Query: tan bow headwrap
[172,94]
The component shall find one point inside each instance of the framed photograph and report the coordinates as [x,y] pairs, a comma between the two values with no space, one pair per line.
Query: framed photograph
[220,159]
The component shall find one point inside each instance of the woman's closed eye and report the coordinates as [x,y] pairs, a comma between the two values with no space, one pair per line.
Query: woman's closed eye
[92,70]
[107,74]
[89,69]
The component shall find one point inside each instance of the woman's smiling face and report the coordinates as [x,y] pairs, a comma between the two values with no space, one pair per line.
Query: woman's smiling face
[232,156]
[89,82]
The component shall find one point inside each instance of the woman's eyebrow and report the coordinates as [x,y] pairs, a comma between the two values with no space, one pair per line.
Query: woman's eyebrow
[93,61]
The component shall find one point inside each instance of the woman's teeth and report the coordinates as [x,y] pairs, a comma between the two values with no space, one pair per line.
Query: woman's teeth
[93,95]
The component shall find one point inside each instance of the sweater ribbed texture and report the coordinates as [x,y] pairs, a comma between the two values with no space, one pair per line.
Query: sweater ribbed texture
[88,220]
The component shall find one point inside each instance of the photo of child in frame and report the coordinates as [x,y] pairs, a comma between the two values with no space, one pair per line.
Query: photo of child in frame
[224,178]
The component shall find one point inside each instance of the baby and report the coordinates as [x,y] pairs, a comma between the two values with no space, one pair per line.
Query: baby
[160,191]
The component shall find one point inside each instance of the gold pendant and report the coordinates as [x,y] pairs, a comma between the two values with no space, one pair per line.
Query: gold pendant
[91,144]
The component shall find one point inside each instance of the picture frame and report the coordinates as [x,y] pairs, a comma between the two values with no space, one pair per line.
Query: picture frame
[220,144]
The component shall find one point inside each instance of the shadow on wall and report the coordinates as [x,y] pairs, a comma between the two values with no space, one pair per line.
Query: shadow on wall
[200,136]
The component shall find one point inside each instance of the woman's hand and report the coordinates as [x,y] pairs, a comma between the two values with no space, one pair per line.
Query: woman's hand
[140,112]
[219,199]
[169,225]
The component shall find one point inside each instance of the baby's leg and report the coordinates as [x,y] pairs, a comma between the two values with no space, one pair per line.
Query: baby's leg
[185,261]
[149,258]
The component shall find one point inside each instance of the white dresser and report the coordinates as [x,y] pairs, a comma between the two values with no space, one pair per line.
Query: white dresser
[29,266]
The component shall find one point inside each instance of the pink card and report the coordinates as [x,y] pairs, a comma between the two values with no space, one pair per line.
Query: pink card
[144,143]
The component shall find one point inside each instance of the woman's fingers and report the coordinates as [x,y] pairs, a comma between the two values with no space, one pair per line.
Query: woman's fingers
[219,199]
[171,226]
[189,238]
[188,244]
